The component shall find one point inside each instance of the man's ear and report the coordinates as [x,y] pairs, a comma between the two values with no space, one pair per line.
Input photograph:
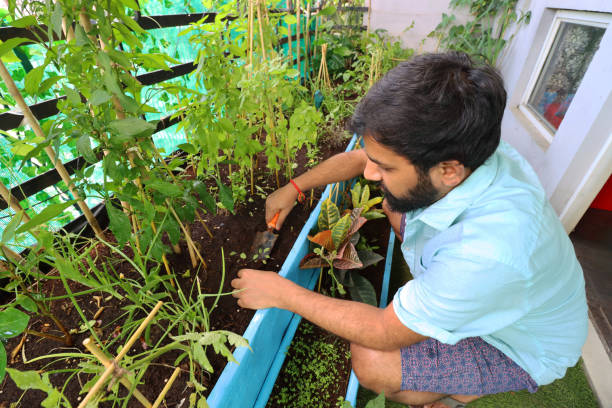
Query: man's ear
[451,173]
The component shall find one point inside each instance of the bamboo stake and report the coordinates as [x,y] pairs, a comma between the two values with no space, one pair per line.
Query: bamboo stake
[251,35]
[289,36]
[261,32]
[307,44]
[111,368]
[95,350]
[166,388]
[12,201]
[297,35]
[190,242]
[33,122]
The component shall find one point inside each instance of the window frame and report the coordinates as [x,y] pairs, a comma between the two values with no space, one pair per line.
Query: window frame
[543,135]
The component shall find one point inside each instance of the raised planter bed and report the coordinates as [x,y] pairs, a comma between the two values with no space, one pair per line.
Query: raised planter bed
[280,357]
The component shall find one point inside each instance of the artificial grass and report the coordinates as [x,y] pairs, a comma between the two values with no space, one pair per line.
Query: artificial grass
[571,391]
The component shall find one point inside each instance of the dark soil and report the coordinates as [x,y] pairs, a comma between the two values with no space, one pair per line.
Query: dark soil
[304,380]
[232,233]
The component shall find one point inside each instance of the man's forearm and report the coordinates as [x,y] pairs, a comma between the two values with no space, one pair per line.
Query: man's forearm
[340,167]
[357,322]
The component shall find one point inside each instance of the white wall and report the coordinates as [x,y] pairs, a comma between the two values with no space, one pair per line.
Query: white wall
[397,15]
[578,159]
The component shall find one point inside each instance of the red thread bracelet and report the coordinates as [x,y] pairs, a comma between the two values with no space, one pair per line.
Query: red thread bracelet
[301,196]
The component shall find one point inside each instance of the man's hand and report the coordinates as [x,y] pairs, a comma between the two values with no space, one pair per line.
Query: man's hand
[281,201]
[260,289]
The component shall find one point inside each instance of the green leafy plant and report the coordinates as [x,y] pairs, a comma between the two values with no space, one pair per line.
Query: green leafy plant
[337,239]
[485,35]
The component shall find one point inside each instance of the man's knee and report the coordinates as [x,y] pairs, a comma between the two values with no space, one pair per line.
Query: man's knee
[372,371]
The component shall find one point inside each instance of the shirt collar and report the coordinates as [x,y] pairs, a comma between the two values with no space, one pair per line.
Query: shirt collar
[441,214]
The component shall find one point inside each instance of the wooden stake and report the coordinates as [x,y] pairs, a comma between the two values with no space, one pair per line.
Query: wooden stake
[290,36]
[261,32]
[99,354]
[33,122]
[109,370]
[10,199]
[166,388]
[307,44]
[190,242]
[251,35]
[297,35]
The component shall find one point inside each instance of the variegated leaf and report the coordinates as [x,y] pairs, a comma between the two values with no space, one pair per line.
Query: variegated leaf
[329,215]
[371,203]
[340,231]
[312,261]
[365,195]
[349,260]
[374,214]
[358,223]
[323,238]
[356,195]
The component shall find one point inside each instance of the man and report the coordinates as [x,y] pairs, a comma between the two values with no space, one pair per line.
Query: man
[497,302]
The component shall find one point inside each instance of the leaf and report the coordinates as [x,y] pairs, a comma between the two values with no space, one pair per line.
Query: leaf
[33,80]
[362,290]
[348,259]
[173,230]
[199,355]
[290,19]
[206,198]
[27,380]
[23,22]
[226,197]
[324,239]
[2,361]
[72,95]
[369,258]
[8,45]
[48,83]
[119,223]
[329,215]
[56,19]
[12,322]
[327,11]
[99,96]
[340,231]
[188,147]
[27,303]
[365,195]
[356,195]
[45,215]
[378,402]
[166,188]
[312,261]
[9,231]
[83,145]
[131,127]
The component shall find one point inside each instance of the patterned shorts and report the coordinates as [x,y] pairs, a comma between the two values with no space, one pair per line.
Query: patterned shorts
[470,367]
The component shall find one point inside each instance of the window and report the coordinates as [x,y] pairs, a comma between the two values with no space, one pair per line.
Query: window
[569,48]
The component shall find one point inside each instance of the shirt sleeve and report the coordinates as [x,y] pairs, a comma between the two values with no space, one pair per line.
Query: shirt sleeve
[457,296]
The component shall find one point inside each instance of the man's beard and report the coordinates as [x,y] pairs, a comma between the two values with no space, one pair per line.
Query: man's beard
[422,195]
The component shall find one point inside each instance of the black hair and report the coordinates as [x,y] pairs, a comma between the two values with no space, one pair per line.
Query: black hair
[435,107]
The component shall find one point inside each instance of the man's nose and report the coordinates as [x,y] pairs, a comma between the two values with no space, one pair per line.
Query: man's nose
[371,171]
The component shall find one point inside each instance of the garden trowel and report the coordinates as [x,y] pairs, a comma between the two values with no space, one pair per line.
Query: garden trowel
[264,240]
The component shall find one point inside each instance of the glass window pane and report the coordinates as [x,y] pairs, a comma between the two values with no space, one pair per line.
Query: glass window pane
[567,61]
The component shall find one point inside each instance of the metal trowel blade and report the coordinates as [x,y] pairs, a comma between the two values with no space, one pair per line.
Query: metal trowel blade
[263,244]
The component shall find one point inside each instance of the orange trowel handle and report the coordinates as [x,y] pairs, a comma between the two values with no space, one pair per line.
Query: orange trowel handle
[273,221]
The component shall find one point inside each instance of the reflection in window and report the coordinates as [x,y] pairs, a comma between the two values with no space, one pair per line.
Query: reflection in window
[567,61]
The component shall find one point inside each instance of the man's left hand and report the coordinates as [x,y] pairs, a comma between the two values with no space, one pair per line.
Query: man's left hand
[260,289]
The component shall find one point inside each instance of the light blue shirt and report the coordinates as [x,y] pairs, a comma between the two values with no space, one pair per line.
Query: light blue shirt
[491,259]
